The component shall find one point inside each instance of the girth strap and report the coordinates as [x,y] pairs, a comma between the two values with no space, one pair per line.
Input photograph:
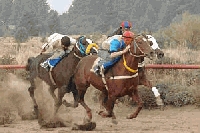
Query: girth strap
[51,77]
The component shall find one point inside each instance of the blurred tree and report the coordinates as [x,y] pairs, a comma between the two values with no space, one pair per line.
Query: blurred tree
[39,8]
[30,22]
[53,22]
[5,12]
[21,35]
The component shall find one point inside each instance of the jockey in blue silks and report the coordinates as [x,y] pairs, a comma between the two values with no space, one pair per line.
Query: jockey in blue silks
[117,48]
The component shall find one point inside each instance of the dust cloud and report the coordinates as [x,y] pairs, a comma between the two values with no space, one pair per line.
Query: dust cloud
[15,99]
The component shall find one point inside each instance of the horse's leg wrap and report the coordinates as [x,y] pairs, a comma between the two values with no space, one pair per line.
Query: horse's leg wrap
[109,105]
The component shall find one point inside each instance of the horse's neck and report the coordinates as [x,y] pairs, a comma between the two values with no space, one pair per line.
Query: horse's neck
[131,62]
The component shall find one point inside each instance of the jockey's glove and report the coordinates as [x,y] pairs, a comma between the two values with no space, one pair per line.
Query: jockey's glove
[126,49]
[115,54]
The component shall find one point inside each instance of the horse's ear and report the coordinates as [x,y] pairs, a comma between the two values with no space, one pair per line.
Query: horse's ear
[144,35]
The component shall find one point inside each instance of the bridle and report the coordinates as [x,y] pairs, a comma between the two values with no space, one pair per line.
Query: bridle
[135,46]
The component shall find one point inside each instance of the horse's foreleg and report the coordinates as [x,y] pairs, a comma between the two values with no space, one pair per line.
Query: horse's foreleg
[75,94]
[52,88]
[109,106]
[31,92]
[81,95]
[58,102]
[138,100]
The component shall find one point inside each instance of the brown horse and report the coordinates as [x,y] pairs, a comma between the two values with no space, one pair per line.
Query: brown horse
[120,80]
[141,66]
[61,74]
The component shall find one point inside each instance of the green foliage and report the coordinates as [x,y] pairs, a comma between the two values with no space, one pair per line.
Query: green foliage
[53,22]
[21,35]
[30,22]
[185,33]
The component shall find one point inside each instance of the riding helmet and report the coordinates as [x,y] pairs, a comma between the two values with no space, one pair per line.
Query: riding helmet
[126,25]
[65,41]
[128,34]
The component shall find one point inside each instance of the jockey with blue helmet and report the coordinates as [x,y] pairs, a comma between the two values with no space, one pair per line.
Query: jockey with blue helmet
[125,26]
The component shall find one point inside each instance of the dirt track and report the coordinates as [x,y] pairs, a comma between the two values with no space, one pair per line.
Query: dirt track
[174,120]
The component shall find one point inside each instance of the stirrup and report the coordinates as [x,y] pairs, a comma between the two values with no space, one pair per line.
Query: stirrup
[102,70]
[97,72]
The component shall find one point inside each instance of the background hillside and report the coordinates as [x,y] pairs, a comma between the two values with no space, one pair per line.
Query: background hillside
[36,18]
[104,15]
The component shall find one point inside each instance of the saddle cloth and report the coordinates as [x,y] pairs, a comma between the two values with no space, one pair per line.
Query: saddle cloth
[50,63]
[54,59]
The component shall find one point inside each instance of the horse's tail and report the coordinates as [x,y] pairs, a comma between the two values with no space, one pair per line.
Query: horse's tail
[29,62]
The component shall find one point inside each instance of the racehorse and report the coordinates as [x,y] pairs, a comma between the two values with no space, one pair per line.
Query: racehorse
[141,66]
[120,80]
[61,73]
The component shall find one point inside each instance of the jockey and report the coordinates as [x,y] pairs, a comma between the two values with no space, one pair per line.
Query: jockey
[117,48]
[61,47]
[54,43]
[125,26]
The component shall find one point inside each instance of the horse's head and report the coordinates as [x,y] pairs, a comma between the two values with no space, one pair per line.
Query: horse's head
[141,47]
[154,45]
[85,47]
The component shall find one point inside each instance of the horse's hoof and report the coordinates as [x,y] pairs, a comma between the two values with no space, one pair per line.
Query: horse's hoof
[162,108]
[86,120]
[85,127]
[99,112]
[67,104]
[131,117]
[75,105]
[103,114]
[114,121]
